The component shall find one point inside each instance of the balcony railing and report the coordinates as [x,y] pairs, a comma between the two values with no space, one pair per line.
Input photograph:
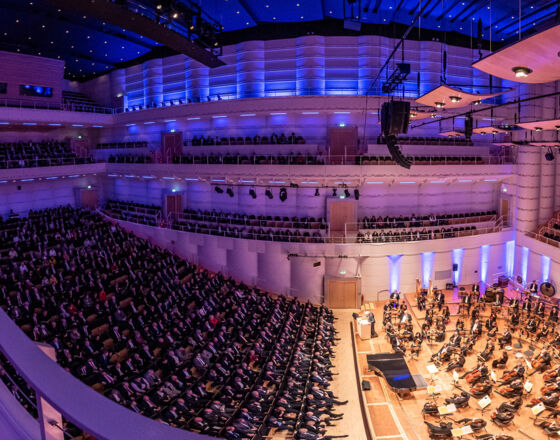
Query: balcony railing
[327,159]
[46,162]
[66,106]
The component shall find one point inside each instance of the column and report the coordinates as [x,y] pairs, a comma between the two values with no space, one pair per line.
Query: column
[528,187]
[250,69]
[153,80]
[197,81]
[310,65]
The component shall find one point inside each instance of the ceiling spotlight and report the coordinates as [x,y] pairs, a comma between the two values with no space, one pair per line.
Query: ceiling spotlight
[347,193]
[433,115]
[439,104]
[482,132]
[334,192]
[357,194]
[538,128]
[476,102]
[495,131]
[455,98]
[557,127]
[218,190]
[283,195]
[413,115]
[521,71]
[175,15]
[317,192]
[549,155]
[253,193]
[159,6]
[229,192]
[268,193]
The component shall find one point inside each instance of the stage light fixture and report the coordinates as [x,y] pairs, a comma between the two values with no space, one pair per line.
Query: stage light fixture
[175,15]
[229,192]
[477,102]
[268,193]
[218,190]
[346,193]
[455,98]
[357,194]
[253,193]
[557,127]
[549,154]
[538,128]
[521,71]
[317,192]
[334,192]
[283,195]
[439,104]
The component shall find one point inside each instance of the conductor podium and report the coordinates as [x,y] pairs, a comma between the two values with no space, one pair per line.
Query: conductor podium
[364,328]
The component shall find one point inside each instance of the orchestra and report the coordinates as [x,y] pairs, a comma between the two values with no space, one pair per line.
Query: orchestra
[499,316]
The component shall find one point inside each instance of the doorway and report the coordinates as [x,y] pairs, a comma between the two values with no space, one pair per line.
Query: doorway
[342,218]
[342,294]
[89,199]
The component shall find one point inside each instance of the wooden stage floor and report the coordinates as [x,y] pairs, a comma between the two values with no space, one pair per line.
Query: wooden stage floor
[395,418]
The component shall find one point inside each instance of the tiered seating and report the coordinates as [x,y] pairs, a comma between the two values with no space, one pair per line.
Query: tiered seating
[421,160]
[122,145]
[430,227]
[38,154]
[550,231]
[441,140]
[79,102]
[134,212]
[159,335]
[247,140]
[254,159]
[129,158]
[296,229]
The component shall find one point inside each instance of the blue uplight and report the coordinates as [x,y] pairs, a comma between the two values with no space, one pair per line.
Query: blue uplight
[427,268]
[484,258]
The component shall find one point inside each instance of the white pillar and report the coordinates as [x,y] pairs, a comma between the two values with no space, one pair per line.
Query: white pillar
[528,187]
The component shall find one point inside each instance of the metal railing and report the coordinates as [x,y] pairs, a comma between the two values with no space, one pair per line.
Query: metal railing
[232,231]
[64,106]
[327,159]
[46,162]
[252,222]
[438,221]
[547,240]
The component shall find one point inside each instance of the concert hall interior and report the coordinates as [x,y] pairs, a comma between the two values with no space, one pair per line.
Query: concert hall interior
[279,220]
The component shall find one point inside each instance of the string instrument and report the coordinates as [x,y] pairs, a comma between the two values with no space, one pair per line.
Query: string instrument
[541,361]
[550,388]
[510,375]
[551,375]
[512,390]
[481,389]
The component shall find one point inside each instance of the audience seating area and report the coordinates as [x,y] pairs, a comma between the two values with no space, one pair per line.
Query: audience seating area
[161,336]
[129,158]
[254,159]
[133,212]
[255,140]
[38,154]
[431,227]
[441,140]
[78,102]
[550,231]
[295,229]
[122,145]
[426,160]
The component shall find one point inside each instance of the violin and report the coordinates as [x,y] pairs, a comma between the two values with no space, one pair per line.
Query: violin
[550,388]
[542,361]
[509,375]
[551,375]
[473,377]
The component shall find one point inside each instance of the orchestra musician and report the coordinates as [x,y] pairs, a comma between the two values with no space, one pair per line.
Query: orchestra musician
[527,305]
[514,305]
[475,289]
[466,302]
[440,299]
[455,339]
[553,315]
[394,298]
[534,287]
[476,328]
[505,339]
[539,310]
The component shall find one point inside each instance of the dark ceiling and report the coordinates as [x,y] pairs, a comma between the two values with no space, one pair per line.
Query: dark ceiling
[91,47]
